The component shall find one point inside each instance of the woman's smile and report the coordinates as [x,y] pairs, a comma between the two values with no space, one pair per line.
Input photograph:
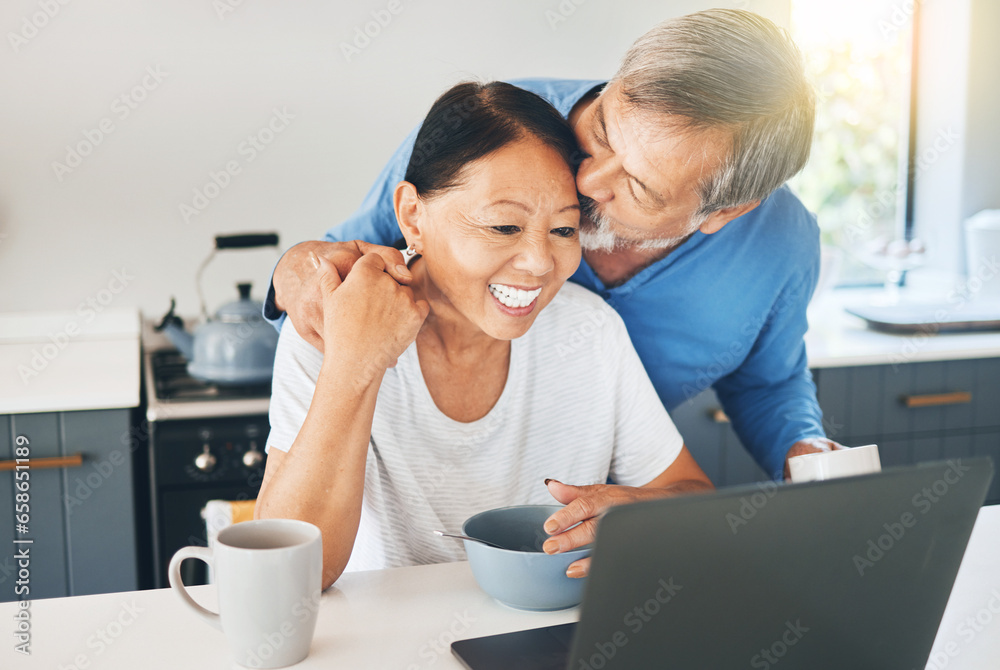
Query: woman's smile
[514,300]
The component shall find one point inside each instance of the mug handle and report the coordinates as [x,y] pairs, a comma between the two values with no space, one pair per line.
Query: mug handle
[174,575]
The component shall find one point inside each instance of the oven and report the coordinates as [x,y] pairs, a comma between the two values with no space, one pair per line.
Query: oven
[204,442]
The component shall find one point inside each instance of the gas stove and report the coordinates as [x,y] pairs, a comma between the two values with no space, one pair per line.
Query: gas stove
[172,393]
[172,382]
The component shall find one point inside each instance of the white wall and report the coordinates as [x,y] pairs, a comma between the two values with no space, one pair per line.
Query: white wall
[63,235]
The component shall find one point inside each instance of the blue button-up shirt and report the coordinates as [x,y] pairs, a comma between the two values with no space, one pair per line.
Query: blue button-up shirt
[726,310]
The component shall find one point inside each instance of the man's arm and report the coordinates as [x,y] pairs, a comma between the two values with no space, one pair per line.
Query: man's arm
[771,397]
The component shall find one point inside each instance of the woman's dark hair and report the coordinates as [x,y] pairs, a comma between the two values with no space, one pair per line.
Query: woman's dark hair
[473,120]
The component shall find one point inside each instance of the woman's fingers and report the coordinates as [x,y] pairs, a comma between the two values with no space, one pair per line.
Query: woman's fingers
[394,264]
[574,538]
[582,502]
[578,569]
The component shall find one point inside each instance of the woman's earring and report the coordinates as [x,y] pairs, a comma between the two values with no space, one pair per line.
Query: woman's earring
[409,253]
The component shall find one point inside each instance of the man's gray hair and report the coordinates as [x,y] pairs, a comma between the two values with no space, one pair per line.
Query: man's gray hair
[733,70]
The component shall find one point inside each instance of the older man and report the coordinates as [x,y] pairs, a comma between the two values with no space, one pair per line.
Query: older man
[688,231]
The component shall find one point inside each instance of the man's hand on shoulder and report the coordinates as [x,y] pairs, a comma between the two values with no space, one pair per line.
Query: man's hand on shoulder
[813,445]
[297,288]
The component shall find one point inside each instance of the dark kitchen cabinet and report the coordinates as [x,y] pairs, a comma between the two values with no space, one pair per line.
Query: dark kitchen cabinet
[918,411]
[82,519]
[713,442]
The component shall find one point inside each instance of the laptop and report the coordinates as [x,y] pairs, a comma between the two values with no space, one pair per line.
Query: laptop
[844,573]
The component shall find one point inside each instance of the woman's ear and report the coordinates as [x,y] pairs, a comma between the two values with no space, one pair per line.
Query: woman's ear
[409,212]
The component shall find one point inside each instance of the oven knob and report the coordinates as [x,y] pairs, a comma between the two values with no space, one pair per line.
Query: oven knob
[253,458]
[205,461]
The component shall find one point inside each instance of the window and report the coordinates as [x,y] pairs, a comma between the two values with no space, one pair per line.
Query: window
[858,54]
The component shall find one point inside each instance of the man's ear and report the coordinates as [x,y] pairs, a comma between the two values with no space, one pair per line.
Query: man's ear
[719,218]
[409,210]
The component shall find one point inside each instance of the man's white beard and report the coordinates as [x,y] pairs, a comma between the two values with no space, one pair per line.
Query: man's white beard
[597,234]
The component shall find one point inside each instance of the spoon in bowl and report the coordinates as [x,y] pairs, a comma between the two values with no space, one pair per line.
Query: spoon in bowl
[441,533]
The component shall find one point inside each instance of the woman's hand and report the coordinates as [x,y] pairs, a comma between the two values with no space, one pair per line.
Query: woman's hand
[586,504]
[369,319]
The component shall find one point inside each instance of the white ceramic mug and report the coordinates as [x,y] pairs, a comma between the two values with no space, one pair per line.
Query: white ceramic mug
[982,248]
[837,463]
[269,575]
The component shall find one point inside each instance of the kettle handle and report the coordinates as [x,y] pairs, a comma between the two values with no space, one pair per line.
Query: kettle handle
[246,241]
[239,241]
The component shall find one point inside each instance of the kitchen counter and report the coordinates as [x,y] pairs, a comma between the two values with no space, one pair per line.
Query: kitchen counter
[406,618]
[838,339]
[63,361]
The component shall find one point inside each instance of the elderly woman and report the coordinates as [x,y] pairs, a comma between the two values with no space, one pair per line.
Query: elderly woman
[483,379]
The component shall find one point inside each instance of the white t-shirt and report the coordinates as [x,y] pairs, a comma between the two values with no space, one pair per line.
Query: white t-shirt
[577,406]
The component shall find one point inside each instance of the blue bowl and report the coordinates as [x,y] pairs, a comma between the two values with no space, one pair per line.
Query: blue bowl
[521,575]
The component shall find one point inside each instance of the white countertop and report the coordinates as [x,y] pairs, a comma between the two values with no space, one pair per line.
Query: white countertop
[403,619]
[62,361]
[838,339]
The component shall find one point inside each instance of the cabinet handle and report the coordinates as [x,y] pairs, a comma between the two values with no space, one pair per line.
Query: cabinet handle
[72,461]
[718,416]
[937,399]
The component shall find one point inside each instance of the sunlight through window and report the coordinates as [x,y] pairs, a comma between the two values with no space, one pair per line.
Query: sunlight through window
[858,55]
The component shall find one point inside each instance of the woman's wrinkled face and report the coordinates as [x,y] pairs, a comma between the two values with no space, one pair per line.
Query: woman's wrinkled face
[498,247]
